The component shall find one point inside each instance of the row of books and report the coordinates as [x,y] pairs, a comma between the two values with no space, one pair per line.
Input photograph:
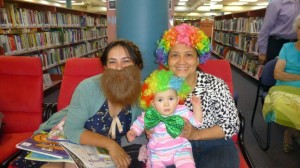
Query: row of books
[75,35]
[55,56]
[245,61]
[83,156]
[249,25]
[13,16]
[241,41]
[12,44]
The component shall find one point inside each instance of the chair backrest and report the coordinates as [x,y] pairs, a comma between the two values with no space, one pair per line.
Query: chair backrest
[219,68]
[267,76]
[21,93]
[76,70]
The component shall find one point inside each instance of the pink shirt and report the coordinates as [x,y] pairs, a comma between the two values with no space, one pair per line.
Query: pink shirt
[160,139]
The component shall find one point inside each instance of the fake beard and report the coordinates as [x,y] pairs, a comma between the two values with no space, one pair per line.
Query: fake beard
[122,86]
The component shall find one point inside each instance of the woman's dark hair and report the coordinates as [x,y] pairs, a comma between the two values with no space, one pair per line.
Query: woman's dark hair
[131,48]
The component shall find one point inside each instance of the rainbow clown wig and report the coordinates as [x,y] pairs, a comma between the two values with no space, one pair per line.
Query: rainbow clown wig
[183,34]
[162,80]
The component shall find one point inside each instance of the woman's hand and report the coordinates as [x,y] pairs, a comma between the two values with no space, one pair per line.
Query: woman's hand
[119,156]
[189,132]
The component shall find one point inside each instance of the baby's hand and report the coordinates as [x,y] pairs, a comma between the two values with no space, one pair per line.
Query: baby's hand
[195,100]
[130,135]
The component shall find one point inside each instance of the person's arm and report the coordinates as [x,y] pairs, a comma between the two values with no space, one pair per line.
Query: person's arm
[192,133]
[269,22]
[197,109]
[280,74]
[226,117]
[81,108]
[136,128]
[279,71]
[117,153]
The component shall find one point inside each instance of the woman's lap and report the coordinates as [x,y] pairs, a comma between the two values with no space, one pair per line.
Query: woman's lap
[215,153]
[21,162]
[282,106]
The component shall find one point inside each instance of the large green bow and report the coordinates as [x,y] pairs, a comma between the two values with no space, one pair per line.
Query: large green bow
[174,123]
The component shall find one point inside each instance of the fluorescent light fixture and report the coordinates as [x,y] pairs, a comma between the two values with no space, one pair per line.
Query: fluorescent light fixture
[65,1]
[248,0]
[237,3]
[203,8]
[181,3]
[79,4]
[212,3]
[210,14]
[216,0]
[216,6]
[181,8]
[263,4]
[183,0]
[193,14]
[234,8]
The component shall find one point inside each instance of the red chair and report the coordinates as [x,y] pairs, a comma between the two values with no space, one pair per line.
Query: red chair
[21,98]
[221,69]
[76,70]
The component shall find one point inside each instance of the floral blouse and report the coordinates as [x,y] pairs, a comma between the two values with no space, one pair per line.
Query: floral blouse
[217,104]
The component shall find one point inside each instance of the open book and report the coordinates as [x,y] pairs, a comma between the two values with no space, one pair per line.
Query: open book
[45,158]
[40,144]
[86,156]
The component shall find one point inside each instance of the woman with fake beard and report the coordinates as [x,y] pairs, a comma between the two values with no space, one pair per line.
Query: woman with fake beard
[103,107]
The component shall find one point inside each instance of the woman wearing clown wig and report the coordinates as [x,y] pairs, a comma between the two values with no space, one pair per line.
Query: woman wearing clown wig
[160,96]
[181,49]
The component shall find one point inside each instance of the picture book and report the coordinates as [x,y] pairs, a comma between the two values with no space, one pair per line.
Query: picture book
[88,156]
[46,158]
[40,144]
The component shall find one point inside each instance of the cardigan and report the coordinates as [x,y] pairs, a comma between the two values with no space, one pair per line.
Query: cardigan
[86,100]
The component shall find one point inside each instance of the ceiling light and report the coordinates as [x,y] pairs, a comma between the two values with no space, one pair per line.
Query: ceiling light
[263,4]
[248,0]
[203,8]
[181,3]
[183,0]
[237,3]
[61,1]
[193,14]
[216,0]
[216,6]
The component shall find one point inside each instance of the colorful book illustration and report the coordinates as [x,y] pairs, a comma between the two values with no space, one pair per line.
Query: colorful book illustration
[88,156]
[40,144]
[46,158]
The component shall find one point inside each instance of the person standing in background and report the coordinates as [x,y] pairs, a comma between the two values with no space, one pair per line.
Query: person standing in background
[277,28]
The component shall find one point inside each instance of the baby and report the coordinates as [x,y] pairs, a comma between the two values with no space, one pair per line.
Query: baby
[160,96]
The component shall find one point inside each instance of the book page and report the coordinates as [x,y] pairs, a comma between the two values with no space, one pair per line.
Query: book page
[89,155]
[40,144]
[46,158]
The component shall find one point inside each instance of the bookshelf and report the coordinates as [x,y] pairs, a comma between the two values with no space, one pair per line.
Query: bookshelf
[51,33]
[235,39]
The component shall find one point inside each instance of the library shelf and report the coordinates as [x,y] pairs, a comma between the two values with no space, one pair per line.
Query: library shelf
[51,33]
[235,39]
